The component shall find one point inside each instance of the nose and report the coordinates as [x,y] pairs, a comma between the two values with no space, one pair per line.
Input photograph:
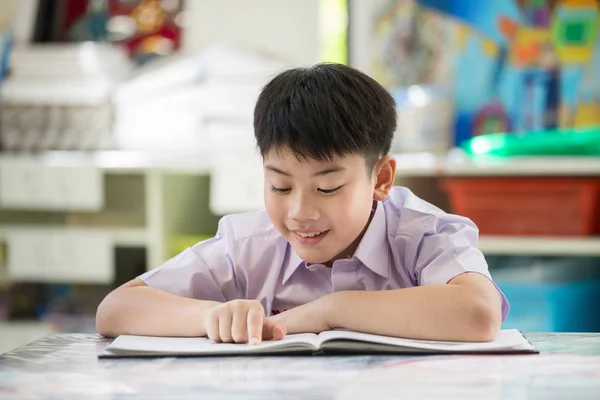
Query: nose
[302,208]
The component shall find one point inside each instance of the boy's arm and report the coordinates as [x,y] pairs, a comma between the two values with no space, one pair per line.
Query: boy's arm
[468,308]
[454,298]
[137,309]
[164,301]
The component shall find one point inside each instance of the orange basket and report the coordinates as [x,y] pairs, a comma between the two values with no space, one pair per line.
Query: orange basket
[528,206]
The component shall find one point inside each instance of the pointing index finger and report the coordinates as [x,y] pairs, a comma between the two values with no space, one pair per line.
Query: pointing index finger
[256,316]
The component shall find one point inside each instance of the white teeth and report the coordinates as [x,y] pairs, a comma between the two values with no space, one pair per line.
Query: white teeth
[307,235]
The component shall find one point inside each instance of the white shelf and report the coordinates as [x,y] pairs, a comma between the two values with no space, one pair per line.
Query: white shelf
[119,162]
[410,164]
[524,166]
[543,246]
[457,164]
[117,236]
[66,254]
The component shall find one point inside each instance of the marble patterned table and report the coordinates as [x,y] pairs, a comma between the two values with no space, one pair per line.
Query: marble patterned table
[65,366]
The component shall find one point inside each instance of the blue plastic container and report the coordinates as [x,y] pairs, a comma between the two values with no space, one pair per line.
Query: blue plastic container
[553,307]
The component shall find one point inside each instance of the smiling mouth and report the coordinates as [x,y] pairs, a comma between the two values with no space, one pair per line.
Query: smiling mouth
[309,234]
[310,238]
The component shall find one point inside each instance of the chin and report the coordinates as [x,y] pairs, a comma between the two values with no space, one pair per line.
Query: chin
[312,257]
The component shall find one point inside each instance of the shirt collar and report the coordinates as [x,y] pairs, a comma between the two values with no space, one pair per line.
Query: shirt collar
[372,250]
[294,263]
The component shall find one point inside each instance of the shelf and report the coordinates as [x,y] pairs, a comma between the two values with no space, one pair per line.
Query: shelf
[125,237]
[118,162]
[543,246]
[524,166]
[457,164]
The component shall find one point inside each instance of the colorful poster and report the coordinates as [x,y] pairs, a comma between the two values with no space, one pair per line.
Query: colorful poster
[512,65]
[410,44]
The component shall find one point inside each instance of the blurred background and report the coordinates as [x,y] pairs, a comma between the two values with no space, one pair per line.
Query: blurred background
[126,132]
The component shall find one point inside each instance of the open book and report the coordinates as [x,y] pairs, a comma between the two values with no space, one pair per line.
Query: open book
[337,341]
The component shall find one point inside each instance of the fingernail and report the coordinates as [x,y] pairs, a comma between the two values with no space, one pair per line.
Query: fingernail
[254,341]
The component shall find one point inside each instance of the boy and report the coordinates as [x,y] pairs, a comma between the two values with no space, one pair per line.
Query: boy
[337,247]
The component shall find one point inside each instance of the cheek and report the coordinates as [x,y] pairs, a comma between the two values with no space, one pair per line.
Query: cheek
[275,207]
[353,209]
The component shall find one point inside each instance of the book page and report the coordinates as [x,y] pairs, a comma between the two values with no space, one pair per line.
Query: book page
[129,344]
[506,340]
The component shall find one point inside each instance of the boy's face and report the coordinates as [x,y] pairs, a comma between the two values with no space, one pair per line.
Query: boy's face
[321,207]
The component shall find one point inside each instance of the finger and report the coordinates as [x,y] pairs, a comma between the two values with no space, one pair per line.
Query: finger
[273,330]
[239,330]
[256,316]
[279,332]
[212,327]
[225,325]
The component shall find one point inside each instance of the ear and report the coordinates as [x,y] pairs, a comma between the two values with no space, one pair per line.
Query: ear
[384,174]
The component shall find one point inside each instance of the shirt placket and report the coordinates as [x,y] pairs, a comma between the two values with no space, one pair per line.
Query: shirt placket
[344,275]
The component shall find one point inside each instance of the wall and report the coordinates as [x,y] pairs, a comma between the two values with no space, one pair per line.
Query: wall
[285,28]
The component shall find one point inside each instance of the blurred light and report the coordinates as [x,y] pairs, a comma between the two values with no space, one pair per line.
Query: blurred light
[182,19]
[88,58]
[170,5]
[158,45]
[417,96]
[121,27]
[480,145]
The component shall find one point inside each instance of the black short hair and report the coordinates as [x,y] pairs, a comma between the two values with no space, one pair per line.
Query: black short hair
[324,111]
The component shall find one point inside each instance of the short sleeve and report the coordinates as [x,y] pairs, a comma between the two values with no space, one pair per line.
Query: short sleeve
[205,271]
[447,249]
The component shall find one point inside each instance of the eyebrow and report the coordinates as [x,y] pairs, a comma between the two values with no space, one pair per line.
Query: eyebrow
[325,171]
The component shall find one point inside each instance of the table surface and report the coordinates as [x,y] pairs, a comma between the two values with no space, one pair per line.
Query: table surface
[66,366]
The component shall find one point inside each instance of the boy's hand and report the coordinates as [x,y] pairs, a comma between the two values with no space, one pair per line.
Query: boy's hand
[241,321]
[308,318]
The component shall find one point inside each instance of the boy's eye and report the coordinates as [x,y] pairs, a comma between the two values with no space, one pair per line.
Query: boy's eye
[330,191]
[279,190]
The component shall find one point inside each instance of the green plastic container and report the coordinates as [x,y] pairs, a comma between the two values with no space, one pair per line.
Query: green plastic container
[559,142]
